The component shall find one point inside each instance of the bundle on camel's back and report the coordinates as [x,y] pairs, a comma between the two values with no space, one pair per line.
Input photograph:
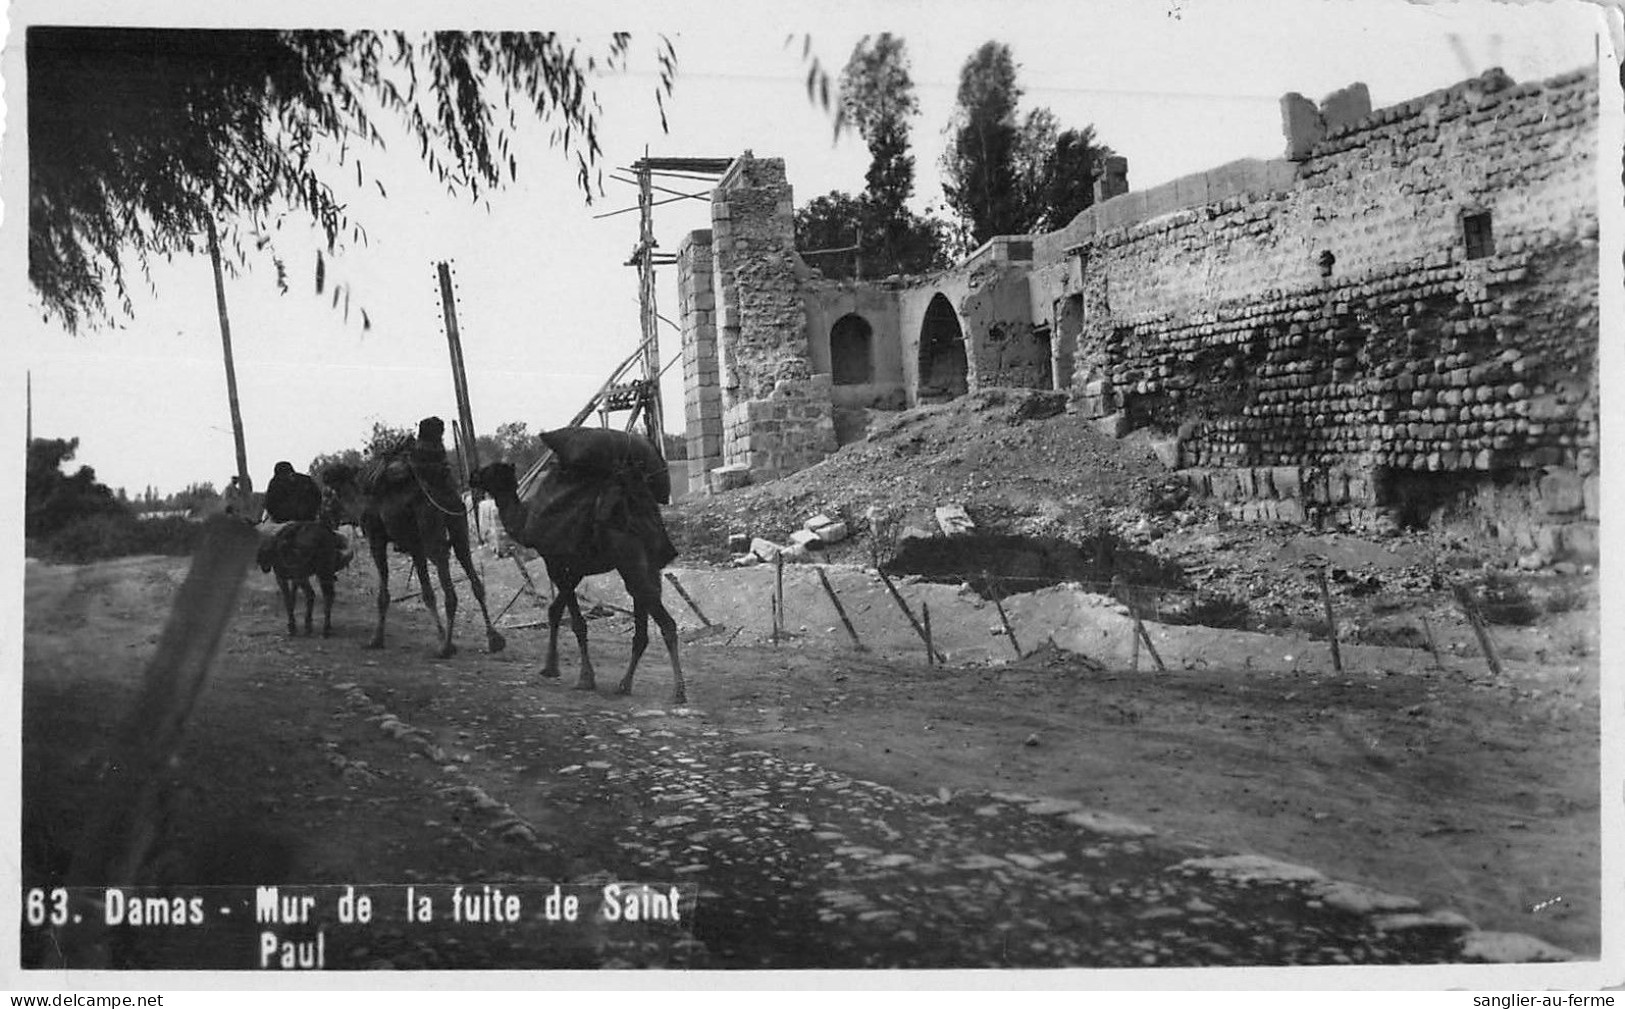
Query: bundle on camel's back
[592,505]
[406,496]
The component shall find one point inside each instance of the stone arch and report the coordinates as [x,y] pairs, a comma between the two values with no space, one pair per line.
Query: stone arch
[851,350]
[944,367]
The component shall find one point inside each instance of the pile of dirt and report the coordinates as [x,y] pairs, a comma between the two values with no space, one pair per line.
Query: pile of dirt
[1013,469]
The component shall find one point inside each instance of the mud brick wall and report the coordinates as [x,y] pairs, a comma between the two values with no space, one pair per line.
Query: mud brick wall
[702,374]
[1004,348]
[788,430]
[1342,327]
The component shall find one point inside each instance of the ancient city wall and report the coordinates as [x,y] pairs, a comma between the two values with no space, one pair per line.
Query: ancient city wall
[1413,320]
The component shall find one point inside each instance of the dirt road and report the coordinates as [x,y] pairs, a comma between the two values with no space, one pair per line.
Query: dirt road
[836,809]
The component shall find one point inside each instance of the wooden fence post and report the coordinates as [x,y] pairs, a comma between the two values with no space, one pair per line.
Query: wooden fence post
[1464,599]
[686,598]
[1331,622]
[903,605]
[839,609]
[1010,632]
[925,618]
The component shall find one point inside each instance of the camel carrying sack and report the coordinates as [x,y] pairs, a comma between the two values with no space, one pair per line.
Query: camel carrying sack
[571,508]
[593,452]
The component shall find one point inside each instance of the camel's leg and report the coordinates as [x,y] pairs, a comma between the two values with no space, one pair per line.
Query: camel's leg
[555,612]
[640,641]
[668,632]
[380,560]
[310,602]
[578,623]
[493,640]
[442,565]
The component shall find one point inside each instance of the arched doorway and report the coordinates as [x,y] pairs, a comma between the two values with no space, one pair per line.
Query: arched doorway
[851,359]
[944,371]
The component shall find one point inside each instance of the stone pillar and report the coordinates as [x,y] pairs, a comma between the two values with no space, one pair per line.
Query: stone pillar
[1345,107]
[1300,124]
[777,416]
[702,375]
[1113,179]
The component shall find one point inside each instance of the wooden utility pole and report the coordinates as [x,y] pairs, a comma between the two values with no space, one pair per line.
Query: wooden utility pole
[648,317]
[246,481]
[459,376]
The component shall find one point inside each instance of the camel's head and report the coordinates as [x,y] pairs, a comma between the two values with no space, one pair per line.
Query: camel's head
[342,491]
[494,480]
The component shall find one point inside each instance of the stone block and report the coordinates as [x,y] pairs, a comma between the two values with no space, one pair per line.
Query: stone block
[1581,541]
[806,538]
[834,532]
[1562,492]
[765,550]
[953,520]
[1287,481]
[1115,425]
[1591,491]
[725,478]
[1290,511]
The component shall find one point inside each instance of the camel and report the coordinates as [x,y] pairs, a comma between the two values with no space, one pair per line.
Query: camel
[610,529]
[407,499]
[298,552]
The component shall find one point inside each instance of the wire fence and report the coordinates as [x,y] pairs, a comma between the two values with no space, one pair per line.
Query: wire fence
[1133,605]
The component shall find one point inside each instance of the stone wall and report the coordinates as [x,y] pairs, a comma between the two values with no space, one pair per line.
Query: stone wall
[791,428]
[777,415]
[763,331]
[1362,326]
[702,376]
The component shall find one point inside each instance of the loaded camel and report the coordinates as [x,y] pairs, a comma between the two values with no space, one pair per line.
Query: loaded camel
[592,508]
[406,497]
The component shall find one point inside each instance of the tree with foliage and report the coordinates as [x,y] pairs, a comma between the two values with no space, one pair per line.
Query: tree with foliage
[53,499]
[138,138]
[513,443]
[382,440]
[978,165]
[1009,177]
[877,97]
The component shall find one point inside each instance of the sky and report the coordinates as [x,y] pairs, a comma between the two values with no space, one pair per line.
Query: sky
[546,306]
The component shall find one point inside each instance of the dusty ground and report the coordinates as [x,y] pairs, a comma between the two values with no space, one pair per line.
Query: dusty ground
[1464,792]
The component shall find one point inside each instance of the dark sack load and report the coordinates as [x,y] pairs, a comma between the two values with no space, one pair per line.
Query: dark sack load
[604,454]
[572,507]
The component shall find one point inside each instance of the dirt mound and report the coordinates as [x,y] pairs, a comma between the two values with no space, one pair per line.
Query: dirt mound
[1016,465]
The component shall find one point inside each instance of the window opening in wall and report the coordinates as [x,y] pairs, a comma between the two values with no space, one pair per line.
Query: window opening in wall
[851,361]
[1477,232]
[1327,261]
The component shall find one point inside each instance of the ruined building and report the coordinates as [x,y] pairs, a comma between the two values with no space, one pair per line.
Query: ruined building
[1396,322]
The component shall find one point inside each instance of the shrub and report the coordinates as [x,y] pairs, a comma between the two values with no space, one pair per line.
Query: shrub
[110,535]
